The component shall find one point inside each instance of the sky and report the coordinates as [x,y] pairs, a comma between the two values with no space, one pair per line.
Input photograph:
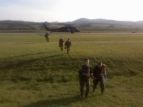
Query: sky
[69,10]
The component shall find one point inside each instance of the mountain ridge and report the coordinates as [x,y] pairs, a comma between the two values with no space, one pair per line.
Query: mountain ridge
[83,24]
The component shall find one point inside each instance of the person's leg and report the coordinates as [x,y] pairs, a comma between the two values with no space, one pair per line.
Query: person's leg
[61,48]
[102,85]
[81,88]
[95,83]
[87,87]
[67,50]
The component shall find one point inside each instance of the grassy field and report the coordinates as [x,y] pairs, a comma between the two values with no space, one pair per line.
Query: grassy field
[34,73]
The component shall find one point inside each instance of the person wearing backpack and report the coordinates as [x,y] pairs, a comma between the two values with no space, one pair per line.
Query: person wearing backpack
[99,75]
[68,45]
[61,43]
[84,76]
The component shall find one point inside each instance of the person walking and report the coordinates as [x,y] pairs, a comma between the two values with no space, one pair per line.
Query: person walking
[68,45]
[61,43]
[84,78]
[99,75]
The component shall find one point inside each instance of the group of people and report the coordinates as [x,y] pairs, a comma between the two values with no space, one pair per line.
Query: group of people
[97,73]
[62,44]
[65,44]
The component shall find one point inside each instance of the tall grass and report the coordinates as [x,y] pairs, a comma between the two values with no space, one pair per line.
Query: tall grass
[34,73]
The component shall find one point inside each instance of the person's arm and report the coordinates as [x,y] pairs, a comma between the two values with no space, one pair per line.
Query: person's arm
[91,73]
[94,71]
[65,45]
[80,72]
[105,71]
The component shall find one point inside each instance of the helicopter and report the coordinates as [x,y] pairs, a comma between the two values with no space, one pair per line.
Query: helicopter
[65,28]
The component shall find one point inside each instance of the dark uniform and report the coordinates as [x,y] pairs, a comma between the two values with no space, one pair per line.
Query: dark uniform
[99,74]
[47,36]
[61,43]
[68,45]
[84,75]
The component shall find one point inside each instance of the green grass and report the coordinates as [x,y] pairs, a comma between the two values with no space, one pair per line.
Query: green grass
[34,73]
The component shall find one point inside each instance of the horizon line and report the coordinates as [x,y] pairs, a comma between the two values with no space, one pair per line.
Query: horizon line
[71,20]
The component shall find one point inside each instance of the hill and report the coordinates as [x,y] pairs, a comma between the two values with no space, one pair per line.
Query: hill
[83,24]
[19,26]
[107,25]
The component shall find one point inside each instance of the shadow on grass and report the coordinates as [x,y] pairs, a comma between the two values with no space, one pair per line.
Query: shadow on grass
[9,64]
[30,55]
[55,102]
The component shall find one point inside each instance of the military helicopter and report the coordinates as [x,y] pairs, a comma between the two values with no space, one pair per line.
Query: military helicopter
[66,28]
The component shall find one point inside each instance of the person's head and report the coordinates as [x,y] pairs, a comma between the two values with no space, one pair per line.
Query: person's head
[87,61]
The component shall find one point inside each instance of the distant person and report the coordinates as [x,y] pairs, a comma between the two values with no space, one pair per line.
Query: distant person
[68,45]
[47,36]
[99,75]
[61,43]
[84,76]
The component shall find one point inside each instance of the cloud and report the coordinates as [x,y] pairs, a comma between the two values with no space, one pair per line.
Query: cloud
[66,10]
[34,10]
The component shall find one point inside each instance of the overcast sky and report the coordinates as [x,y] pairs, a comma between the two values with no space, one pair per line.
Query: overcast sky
[69,10]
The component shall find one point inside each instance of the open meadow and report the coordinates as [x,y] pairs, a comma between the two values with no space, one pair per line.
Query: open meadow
[35,73]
